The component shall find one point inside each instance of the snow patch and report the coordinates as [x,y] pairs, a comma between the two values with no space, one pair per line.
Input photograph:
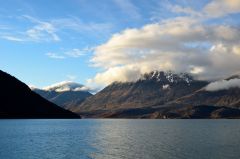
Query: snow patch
[166,86]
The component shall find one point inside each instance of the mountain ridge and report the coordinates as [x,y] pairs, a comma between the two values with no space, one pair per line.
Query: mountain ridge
[151,90]
[19,101]
[65,94]
[161,95]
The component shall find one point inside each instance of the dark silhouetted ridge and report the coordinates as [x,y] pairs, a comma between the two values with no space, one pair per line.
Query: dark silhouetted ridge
[18,101]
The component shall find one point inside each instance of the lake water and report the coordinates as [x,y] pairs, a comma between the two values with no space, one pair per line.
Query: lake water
[119,139]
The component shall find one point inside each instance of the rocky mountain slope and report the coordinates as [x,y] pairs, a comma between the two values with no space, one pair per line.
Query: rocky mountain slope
[220,93]
[165,95]
[18,101]
[153,89]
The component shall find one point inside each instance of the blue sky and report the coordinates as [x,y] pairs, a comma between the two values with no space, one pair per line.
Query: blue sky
[44,42]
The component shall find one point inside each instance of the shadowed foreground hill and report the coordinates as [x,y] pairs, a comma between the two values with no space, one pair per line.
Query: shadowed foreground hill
[18,101]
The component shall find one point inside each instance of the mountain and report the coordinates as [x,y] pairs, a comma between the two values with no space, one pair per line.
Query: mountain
[152,89]
[17,100]
[220,93]
[65,94]
[165,95]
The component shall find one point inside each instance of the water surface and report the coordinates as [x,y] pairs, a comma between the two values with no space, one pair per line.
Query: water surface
[119,139]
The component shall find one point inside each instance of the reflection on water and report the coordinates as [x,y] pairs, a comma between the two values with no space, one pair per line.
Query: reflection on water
[120,139]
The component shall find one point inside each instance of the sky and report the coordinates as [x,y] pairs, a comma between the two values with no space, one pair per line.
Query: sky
[97,42]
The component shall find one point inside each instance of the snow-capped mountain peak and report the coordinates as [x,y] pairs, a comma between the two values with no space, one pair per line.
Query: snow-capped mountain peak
[66,86]
[168,77]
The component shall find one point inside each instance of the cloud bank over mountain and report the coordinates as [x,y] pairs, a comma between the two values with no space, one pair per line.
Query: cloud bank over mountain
[223,85]
[66,86]
[183,44]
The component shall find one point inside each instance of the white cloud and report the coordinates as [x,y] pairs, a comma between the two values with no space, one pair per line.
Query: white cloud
[185,10]
[219,8]
[49,30]
[128,7]
[73,53]
[223,85]
[42,31]
[119,74]
[78,52]
[12,38]
[181,44]
[76,24]
[83,88]
[63,86]
[67,86]
[54,55]
[196,70]
[236,50]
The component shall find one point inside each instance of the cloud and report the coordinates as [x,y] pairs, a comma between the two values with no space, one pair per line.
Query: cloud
[185,10]
[119,74]
[83,88]
[128,7]
[12,38]
[220,8]
[50,30]
[63,86]
[223,85]
[41,31]
[181,44]
[67,86]
[214,9]
[76,24]
[55,56]
[75,53]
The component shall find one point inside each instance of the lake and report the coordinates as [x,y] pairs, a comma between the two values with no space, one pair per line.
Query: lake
[119,139]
